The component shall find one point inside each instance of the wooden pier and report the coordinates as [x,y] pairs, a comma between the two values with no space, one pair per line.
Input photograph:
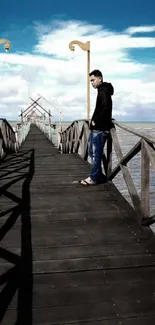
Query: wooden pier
[69,254]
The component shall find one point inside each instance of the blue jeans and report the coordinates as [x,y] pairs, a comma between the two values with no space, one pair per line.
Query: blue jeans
[96,145]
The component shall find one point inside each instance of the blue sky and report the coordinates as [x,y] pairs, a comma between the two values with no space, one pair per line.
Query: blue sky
[37,29]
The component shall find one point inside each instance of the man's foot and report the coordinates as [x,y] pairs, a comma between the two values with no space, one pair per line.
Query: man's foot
[87,181]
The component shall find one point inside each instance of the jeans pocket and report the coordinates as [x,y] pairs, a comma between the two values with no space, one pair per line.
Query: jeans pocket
[96,132]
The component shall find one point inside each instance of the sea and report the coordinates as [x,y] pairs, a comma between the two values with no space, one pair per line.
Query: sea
[127,141]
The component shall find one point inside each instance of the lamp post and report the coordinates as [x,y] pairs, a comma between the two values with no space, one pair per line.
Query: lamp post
[84,47]
[7,44]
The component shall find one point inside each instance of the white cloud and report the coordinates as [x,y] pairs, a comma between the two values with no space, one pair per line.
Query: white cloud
[50,71]
[140,29]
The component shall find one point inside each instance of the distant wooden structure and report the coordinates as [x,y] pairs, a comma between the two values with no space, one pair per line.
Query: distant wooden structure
[35,111]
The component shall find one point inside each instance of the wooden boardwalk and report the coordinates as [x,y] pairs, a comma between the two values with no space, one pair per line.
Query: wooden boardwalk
[69,254]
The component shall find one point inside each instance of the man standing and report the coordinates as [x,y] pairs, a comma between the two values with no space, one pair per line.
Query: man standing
[100,125]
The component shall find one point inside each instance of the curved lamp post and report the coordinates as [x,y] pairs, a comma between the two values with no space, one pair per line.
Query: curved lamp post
[7,44]
[84,47]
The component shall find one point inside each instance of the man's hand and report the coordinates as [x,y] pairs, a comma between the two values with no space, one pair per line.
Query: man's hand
[93,123]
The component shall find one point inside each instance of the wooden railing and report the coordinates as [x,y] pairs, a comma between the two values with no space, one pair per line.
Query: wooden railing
[7,138]
[11,139]
[75,140]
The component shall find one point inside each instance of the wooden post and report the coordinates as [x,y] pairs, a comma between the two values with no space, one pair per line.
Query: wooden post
[127,176]
[88,83]
[84,47]
[49,112]
[109,155]
[22,117]
[145,181]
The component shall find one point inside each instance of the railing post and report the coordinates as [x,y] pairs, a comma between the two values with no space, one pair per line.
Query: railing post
[127,176]
[22,116]
[1,148]
[145,181]
[109,156]
[49,124]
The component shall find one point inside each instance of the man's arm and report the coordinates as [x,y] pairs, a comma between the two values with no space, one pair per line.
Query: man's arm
[104,103]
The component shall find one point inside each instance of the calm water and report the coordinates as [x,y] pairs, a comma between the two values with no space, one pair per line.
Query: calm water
[127,141]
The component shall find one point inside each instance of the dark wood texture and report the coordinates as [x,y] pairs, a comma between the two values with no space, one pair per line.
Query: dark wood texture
[69,254]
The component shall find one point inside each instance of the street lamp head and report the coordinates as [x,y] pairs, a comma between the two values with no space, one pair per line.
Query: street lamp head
[71,46]
[7,46]
[83,46]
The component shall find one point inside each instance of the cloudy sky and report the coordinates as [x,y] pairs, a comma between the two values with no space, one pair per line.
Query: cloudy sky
[122,36]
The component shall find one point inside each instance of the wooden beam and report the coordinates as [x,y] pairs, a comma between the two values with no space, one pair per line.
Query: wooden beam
[32,109]
[31,105]
[150,153]
[127,177]
[133,152]
[42,108]
[129,129]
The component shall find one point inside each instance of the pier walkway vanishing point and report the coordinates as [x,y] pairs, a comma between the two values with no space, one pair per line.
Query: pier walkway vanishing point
[71,254]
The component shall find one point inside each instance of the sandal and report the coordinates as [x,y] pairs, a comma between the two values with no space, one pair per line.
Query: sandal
[87,181]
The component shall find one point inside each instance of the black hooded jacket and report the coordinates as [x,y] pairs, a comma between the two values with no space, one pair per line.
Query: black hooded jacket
[103,111]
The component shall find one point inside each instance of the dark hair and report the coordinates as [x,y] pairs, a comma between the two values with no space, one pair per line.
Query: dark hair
[96,73]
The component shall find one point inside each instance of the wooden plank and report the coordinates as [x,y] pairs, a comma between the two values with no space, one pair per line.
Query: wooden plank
[64,314]
[64,240]
[138,275]
[139,320]
[97,277]
[45,295]
[89,312]
[83,264]
[59,253]
[81,251]
[134,320]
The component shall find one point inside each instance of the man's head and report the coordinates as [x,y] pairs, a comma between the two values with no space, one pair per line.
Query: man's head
[96,78]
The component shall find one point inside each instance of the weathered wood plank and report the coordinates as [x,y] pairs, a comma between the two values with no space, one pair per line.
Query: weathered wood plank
[102,293]
[91,312]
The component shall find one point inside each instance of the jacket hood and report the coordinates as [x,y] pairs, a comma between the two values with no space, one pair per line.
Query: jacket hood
[108,86]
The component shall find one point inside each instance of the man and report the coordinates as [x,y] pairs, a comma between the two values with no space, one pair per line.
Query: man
[100,125]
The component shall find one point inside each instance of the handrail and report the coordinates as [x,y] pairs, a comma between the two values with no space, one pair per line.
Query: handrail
[74,139]
[11,138]
[134,132]
[7,137]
